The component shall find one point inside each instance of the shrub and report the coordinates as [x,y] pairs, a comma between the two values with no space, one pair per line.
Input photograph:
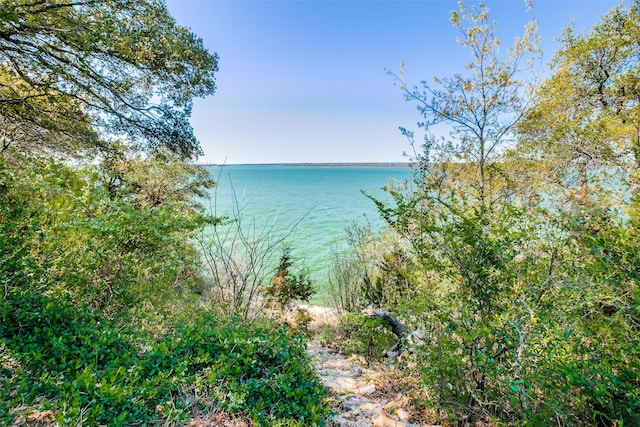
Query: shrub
[376,270]
[86,368]
[364,336]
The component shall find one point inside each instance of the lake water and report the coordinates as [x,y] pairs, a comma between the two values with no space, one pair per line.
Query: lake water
[320,201]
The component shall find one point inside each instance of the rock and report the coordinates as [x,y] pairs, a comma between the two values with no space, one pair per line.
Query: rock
[371,407]
[338,383]
[357,403]
[368,389]
[383,420]
[402,415]
[340,421]
[351,402]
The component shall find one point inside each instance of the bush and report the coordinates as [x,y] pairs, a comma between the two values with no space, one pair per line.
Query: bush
[73,231]
[86,368]
[377,270]
[534,321]
[365,336]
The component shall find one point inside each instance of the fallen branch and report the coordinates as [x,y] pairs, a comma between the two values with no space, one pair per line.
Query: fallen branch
[398,329]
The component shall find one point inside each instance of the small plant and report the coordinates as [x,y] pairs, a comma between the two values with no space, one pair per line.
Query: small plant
[286,286]
[327,336]
[301,321]
[364,336]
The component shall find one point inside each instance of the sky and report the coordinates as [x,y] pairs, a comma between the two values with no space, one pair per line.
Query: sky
[303,81]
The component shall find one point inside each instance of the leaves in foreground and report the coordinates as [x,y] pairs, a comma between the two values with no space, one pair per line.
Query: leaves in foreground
[85,368]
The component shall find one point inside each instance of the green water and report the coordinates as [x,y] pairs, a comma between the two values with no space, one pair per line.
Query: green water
[320,203]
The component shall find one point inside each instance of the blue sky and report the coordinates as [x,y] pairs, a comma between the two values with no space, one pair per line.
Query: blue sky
[303,81]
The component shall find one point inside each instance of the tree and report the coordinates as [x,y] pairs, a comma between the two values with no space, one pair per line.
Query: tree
[528,300]
[480,108]
[111,79]
[155,181]
[124,67]
[583,130]
[461,185]
[60,129]
[287,286]
[112,243]
[584,125]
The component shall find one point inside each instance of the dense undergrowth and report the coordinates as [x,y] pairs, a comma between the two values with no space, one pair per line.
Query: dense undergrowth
[102,320]
[106,316]
[514,253]
[88,369]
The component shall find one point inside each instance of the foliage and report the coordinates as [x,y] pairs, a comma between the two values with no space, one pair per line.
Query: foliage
[86,368]
[17,231]
[606,322]
[364,336]
[522,233]
[287,286]
[327,335]
[480,108]
[106,247]
[458,218]
[582,130]
[377,270]
[584,126]
[99,318]
[100,321]
[118,67]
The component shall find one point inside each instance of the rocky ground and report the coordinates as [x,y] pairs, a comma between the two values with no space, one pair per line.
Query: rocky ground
[361,398]
[358,402]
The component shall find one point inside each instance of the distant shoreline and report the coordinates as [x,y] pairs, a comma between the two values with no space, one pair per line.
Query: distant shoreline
[322,165]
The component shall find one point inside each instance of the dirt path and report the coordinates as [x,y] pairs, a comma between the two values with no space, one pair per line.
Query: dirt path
[358,400]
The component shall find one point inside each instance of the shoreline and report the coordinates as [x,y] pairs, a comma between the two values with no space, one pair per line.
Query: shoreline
[320,165]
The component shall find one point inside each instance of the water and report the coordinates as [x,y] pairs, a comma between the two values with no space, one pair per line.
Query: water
[318,202]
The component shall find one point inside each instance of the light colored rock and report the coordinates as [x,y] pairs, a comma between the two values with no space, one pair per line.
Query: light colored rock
[383,420]
[351,402]
[357,403]
[371,407]
[340,384]
[341,421]
[368,389]
[402,415]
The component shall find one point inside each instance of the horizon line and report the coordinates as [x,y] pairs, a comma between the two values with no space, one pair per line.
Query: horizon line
[315,164]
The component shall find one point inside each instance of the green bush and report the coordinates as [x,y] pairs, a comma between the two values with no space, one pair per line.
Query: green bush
[365,336]
[377,270]
[86,368]
[287,286]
